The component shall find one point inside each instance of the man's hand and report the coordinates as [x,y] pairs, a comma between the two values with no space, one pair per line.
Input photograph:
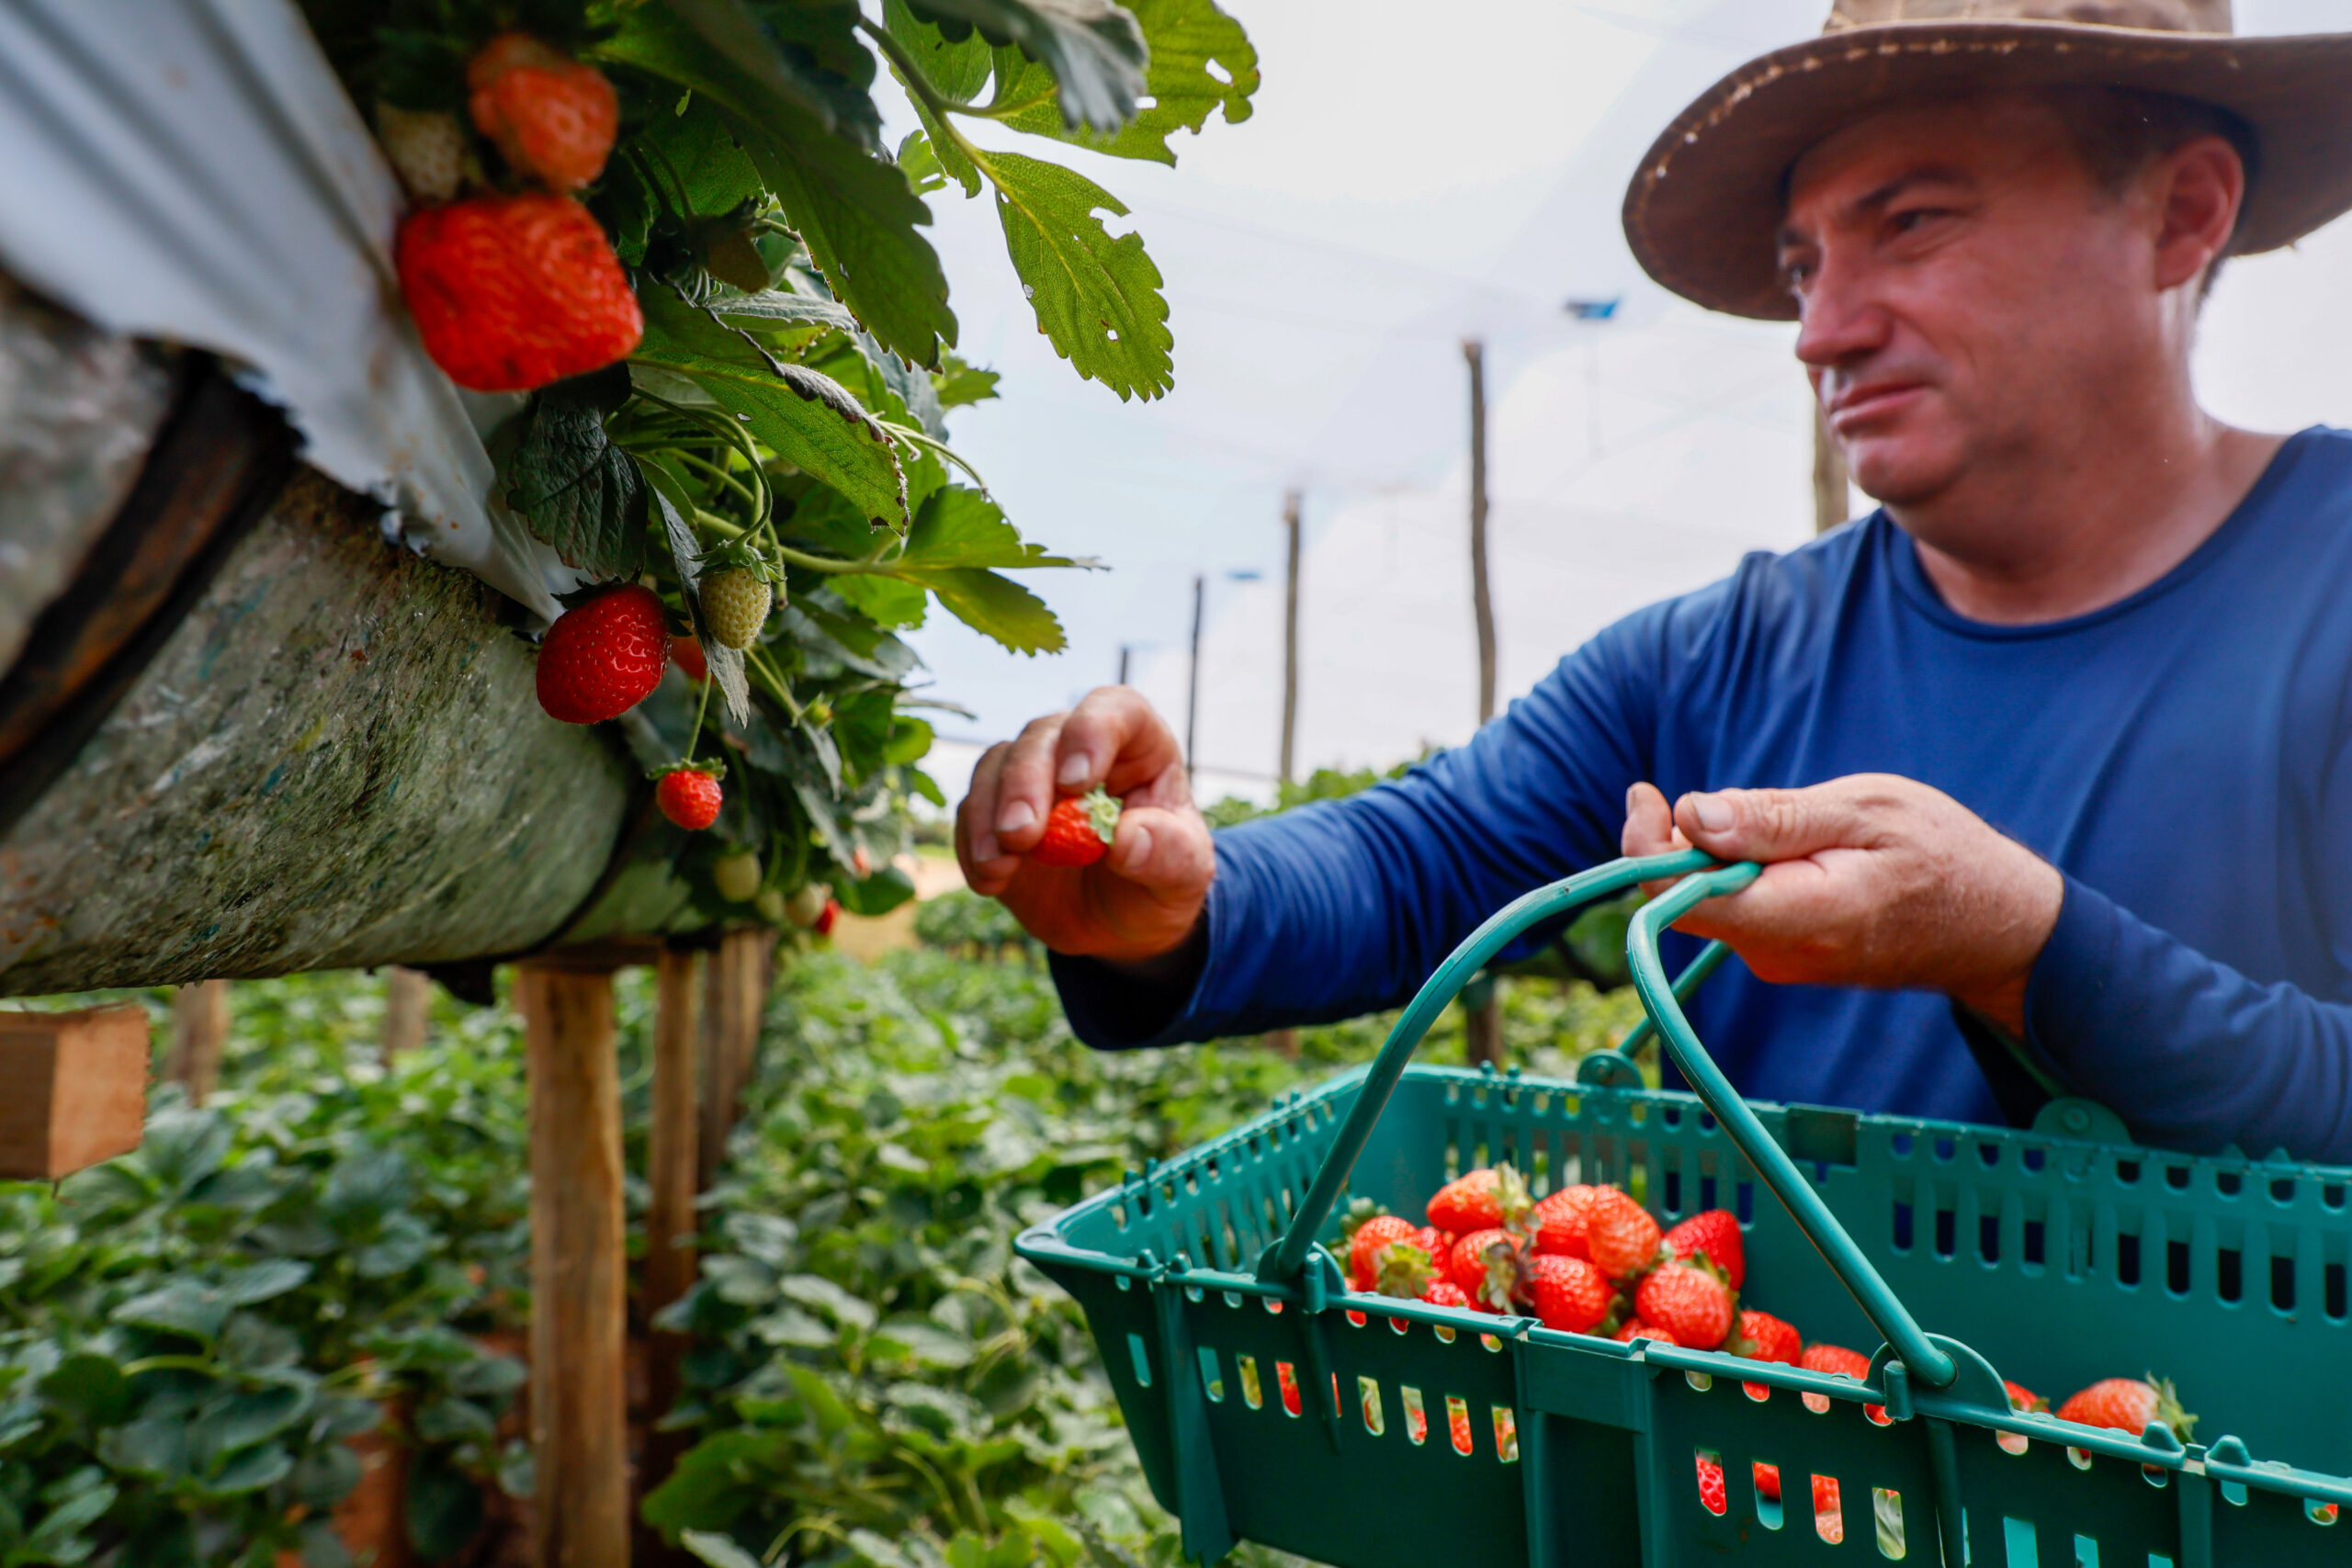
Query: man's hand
[1138,903]
[1871,880]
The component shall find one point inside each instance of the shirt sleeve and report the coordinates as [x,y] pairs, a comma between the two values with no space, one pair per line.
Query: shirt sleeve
[2190,1052]
[1344,907]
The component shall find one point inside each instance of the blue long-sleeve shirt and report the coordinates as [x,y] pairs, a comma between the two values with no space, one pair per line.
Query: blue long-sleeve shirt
[2181,756]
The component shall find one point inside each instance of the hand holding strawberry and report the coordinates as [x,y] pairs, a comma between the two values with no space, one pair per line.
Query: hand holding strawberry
[1079,830]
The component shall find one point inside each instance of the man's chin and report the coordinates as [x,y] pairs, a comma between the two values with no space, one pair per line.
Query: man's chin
[1895,478]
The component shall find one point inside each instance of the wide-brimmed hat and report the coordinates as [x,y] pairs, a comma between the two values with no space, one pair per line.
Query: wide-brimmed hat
[1705,206]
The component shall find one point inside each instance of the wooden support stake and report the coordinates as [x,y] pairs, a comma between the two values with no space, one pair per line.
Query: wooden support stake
[72,1090]
[1483,1017]
[672,1171]
[408,1006]
[735,993]
[199,1029]
[579,1270]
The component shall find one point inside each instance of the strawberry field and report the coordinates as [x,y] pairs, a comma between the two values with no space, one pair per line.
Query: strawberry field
[201,1343]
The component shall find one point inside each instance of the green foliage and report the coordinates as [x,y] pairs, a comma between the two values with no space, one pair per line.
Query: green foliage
[189,1334]
[963,922]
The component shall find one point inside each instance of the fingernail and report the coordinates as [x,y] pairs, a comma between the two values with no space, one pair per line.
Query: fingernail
[1077,768]
[1632,793]
[1138,847]
[984,849]
[1015,817]
[1714,812]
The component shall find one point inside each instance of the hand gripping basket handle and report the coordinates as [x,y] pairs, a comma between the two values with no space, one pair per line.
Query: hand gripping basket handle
[1702,879]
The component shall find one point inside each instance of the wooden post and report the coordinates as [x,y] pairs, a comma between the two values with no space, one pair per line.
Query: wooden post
[408,1007]
[671,1167]
[72,1090]
[579,1270]
[735,989]
[1482,1008]
[1193,680]
[1290,639]
[1829,501]
[199,1027]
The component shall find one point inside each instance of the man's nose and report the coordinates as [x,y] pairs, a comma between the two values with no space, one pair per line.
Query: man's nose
[1840,317]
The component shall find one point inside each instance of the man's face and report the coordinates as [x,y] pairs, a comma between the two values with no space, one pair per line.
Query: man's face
[1968,293]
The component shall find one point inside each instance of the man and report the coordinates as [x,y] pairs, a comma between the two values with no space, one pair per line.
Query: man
[2050,758]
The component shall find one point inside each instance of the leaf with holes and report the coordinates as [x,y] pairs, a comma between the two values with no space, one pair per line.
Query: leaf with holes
[1200,62]
[1096,297]
[1094,49]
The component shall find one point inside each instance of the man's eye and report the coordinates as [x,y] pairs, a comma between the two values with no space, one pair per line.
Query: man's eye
[1903,223]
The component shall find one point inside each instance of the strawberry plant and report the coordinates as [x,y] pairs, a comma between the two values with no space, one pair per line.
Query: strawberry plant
[675,225]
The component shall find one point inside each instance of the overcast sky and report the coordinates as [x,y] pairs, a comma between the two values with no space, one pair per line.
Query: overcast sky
[1413,176]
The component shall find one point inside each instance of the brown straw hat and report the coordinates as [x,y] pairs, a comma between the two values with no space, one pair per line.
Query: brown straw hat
[1705,205]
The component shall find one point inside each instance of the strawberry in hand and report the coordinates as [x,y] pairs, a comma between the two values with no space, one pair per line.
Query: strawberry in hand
[1078,830]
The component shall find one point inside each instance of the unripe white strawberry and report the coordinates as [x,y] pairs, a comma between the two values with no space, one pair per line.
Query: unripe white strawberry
[807,903]
[771,905]
[735,603]
[737,876]
[427,150]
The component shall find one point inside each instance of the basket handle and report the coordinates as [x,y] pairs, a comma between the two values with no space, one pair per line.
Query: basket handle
[1926,1362]
[1284,1261]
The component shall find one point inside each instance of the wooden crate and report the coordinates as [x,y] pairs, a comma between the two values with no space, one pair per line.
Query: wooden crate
[72,1090]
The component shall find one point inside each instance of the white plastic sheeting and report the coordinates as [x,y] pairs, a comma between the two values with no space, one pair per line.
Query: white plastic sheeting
[193,170]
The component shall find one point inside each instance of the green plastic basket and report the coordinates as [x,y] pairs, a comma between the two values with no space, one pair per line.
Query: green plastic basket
[1269,1402]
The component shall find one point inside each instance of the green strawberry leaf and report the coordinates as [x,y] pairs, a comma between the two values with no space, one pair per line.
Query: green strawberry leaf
[1201,62]
[963,527]
[854,211]
[1097,298]
[1094,49]
[809,419]
[570,485]
[996,608]
[694,156]
[959,385]
[804,58]
[891,602]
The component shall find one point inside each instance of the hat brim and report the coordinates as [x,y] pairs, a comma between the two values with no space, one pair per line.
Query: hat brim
[1705,206]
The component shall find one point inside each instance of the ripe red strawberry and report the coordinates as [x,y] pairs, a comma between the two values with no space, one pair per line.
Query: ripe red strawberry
[1485,1266]
[1078,830]
[1444,1293]
[2129,1405]
[1716,1234]
[689,797]
[1825,1488]
[685,652]
[1760,1336]
[1569,1293]
[1711,1487]
[512,292]
[1836,1359]
[1687,1303]
[1635,1328]
[2024,1398]
[1369,1238]
[1468,1203]
[1438,1244]
[552,118]
[1560,1220]
[1458,1425]
[823,924]
[602,656]
[1620,1235]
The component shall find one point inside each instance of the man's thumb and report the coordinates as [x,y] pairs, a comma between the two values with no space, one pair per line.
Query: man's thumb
[1756,824]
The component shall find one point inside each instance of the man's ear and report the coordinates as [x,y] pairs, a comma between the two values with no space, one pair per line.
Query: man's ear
[2199,187]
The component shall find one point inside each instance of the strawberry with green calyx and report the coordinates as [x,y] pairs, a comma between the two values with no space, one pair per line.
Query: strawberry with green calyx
[689,794]
[1715,1234]
[1690,1302]
[1357,1210]
[1760,1336]
[1078,830]
[2129,1405]
[512,292]
[603,655]
[1370,1237]
[2025,1399]
[1487,1268]
[1620,1236]
[735,601]
[1559,1221]
[1484,1199]
[554,119]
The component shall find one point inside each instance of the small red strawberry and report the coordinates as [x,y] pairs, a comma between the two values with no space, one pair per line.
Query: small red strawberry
[1690,1304]
[602,656]
[552,118]
[1569,1293]
[1711,1487]
[1760,1336]
[1458,1425]
[1559,1222]
[823,924]
[1716,1234]
[512,292]
[1843,1362]
[1635,1328]
[1620,1235]
[1468,1203]
[1078,830]
[2129,1405]
[1444,1293]
[1369,1238]
[1485,1266]
[689,797]
[2024,1398]
[685,652]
